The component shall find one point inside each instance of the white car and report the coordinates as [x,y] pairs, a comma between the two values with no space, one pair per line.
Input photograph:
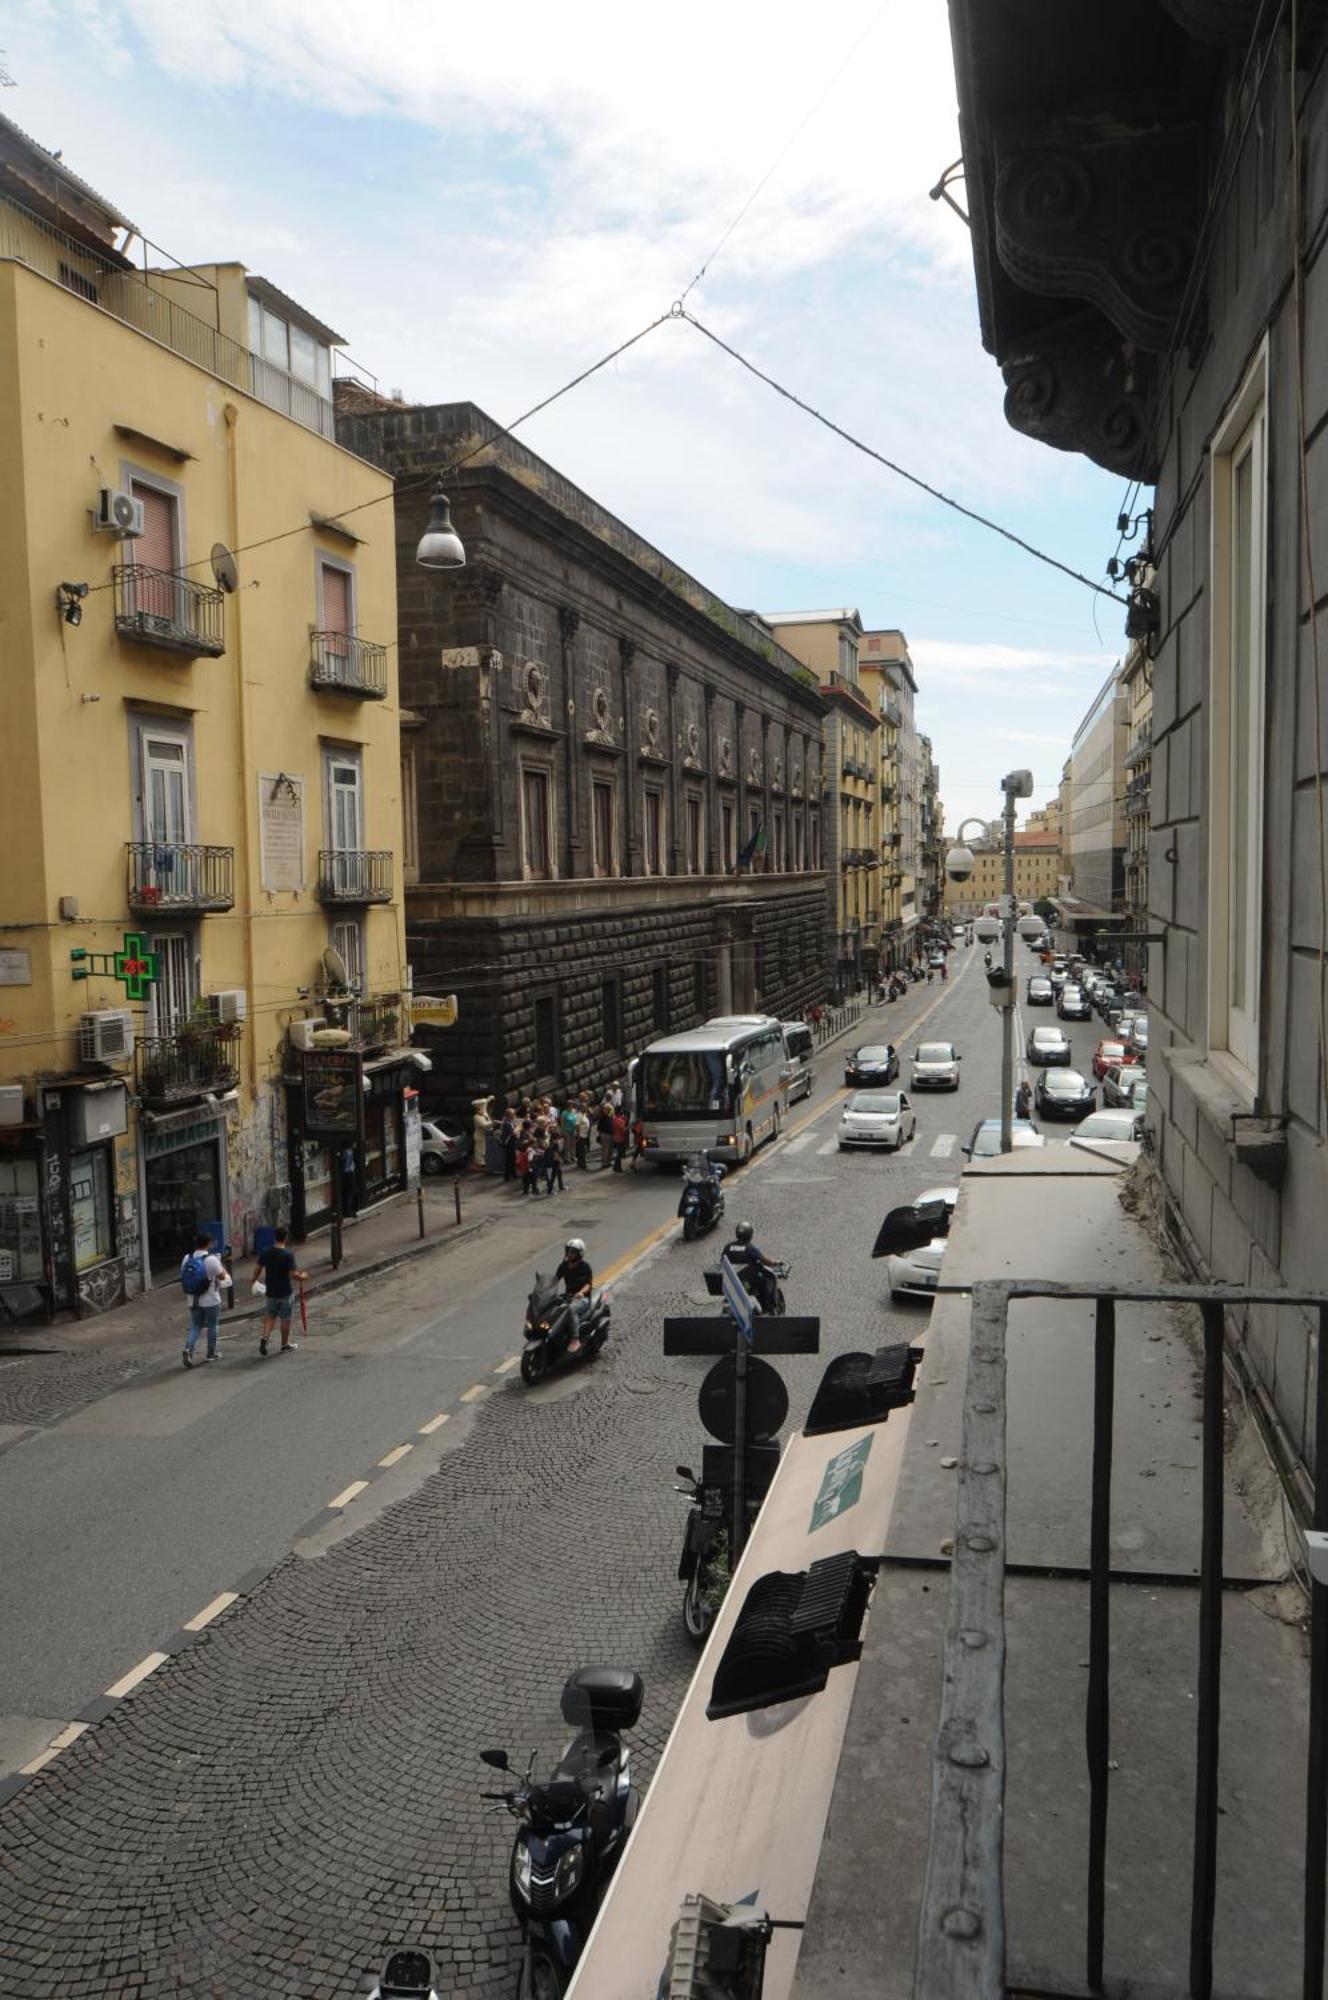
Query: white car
[1116,1133]
[936,1066]
[877,1118]
[915,1271]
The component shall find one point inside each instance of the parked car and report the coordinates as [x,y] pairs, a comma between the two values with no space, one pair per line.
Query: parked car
[1064,1093]
[1041,992]
[1073,1004]
[986,1140]
[1138,1035]
[877,1118]
[913,1273]
[873,1063]
[445,1145]
[1122,1085]
[1123,1024]
[1111,1128]
[1107,1055]
[1108,999]
[936,1066]
[1048,1045]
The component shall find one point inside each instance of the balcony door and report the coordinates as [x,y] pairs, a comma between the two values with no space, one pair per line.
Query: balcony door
[156,551]
[337,613]
[169,864]
[176,988]
[345,823]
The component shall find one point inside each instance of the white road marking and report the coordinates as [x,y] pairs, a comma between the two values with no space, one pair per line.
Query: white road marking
[395,1457]
[434,1423]
[943,1145]
[506,1367]
[830,1146]
[803,1139]
[211,1611]
[476,1389]
[349,1493]
[135,1675]
[69,1734]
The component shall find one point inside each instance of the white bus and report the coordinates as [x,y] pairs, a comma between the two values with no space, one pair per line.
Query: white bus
[720,1089]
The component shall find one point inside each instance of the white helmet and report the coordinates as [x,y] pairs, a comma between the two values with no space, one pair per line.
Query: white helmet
[575,1247]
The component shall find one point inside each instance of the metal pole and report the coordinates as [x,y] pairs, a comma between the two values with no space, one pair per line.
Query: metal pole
[456,1196]
[1007,1012]
[739,1450]
[1316,1765]
[1097,1720]
[419,1205]
[1203,1900]
[335,1149]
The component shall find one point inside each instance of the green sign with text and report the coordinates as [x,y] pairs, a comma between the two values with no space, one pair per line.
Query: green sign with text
[841,1484]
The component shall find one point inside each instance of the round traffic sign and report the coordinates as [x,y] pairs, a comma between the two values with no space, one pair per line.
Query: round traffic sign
[767,1400]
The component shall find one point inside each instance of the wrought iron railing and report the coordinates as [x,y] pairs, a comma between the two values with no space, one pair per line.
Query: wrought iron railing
[169,875]
[193,1062]
[961,1929]
[375,1021]
[342,664]
[161,607]
[355,875]
[1137,793]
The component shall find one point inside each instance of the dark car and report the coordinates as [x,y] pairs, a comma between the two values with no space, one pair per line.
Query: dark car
[1041,992]
[1063,1093]
[1109,1000]
[1073,1004]
[1048,1047]
[873,1063]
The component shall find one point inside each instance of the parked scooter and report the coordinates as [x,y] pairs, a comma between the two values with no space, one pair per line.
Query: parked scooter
[704,1567]
[551,1323]
[408,1975]
[572,1826]
[701,1204]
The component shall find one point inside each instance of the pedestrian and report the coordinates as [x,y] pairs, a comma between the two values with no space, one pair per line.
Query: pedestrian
[553,1162]
[567,1120]
[619,1135]
[202,1274]
[349,1201]
[1023,1100]
[638,1142]
[507,1132]
[534,1166]
[614,1093]
[275,1271]
[604,1133]
[523,1163]
[582,1138]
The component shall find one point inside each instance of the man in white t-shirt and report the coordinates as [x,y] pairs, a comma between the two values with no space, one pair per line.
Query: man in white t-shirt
[202,1274]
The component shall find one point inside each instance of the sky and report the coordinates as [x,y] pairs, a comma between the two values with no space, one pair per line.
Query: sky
[485,202]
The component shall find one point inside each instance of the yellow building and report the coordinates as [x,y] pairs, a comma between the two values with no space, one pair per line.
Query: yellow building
[880,690]
[827,644]
[1037,861]
[201,822]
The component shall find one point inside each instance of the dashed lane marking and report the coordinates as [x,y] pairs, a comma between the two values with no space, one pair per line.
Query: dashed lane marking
[395,1457]
[211,1611]
[475,1391]
[69,1734]
[349,1493]
[943,1145]
[135,1675]
[796,1145]
[828,1146]
[506,1367]
[434,1424]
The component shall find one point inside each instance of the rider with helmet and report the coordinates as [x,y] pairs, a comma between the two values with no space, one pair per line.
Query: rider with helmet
[752,1265]
[577,1280]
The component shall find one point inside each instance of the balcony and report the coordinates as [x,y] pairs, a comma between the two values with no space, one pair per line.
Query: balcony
[168,875]
[160,607]
[1137,794]
[354,875]
[340,664]
[375,1021]
[195,1061]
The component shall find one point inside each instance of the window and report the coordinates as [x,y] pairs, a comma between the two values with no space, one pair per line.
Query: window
[344,825]
[799,852]
[175,988]
[601,805]
[729,853]
[20,1220]
[90,1206]
[536,829]
[304,356]
[611,1013]
[348,941]
[695,842]
[166,804]
[336,613]
[1236,774]
[546,1037]
[659,998]
[777,843]
[654,805]
[410,816]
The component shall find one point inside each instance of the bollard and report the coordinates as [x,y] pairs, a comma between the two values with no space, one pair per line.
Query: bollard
[419,1200]
[456,1192]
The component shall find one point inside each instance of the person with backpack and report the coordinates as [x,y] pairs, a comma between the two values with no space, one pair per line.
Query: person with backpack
[277,1274]
[202,1274]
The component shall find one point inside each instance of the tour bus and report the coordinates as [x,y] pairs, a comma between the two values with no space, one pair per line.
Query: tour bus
[720,1089]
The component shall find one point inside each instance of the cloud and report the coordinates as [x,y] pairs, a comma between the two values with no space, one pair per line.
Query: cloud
[956,660]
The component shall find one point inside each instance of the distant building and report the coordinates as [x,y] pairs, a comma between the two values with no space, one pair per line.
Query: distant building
[1095,900]
[1137,681]
[1036,874]
[884,654]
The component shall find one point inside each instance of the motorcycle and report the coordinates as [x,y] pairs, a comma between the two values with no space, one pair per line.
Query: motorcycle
[772,1303]
[572,1826]
[408,1975]
[550,1324]
[701,1203]
[704,1567]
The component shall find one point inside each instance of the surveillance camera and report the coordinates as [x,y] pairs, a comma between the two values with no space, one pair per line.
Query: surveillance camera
[1019,784]
[959,864]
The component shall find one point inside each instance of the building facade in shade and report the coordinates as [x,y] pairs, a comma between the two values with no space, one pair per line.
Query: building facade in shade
[827,644]
[1102,354]
[1096,898]
[617,778]
[931,830]
[1137,682]
[884,653]
[202,797]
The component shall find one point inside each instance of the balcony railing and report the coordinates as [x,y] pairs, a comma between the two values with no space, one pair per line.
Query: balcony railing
[160,607]
[168,875]
[375,1021]
[340,664]
[354,875]
[1137,793]
[192,1062]
[1141,743]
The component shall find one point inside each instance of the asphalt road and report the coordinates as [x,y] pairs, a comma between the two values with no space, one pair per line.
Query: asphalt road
[267,1811]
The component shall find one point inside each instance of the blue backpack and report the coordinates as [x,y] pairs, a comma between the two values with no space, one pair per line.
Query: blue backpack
[194,1276]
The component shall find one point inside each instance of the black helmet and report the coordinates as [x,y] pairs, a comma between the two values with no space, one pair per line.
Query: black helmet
[743,1233]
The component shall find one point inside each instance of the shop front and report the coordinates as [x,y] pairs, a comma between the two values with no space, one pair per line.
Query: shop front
[346,1120]
[184,1181]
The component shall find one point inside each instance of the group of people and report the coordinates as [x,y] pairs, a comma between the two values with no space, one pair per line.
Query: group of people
[539,1135]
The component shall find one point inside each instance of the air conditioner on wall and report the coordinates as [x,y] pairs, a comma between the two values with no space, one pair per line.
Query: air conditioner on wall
[229,1007]
[106,1037]
[301,1033]
[118,513]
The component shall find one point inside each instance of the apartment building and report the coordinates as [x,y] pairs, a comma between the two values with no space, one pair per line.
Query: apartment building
[201,932]
[884,655]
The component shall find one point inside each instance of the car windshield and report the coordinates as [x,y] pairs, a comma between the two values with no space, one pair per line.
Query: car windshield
[1065,1079]
[874,1100]
[875,1052]
[1049,1038]
[1112,1051]
[1106,1125]
[1038,985]
[934,1052]
[685,1084]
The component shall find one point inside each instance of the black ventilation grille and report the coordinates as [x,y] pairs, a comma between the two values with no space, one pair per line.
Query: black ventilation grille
[862,1389]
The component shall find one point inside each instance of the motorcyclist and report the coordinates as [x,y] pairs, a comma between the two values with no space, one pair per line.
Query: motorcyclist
[747,1260]
[986,960]
[577,1279]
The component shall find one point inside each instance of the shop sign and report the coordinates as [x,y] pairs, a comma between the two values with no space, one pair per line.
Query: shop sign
[15,968]
[281,831]
[159,1139]
[332,1093]
[439,1013]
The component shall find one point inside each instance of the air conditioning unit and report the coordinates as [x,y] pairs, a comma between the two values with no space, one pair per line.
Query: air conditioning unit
[301,1033]
[118,513]
[106,1037]
[229,1007]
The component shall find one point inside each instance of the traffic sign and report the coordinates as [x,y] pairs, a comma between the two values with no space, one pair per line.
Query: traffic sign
[737,1298]
[771,1334]
[767,1400]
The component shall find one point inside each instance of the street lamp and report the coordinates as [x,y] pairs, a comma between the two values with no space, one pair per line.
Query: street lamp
[440,544]
[1000,979]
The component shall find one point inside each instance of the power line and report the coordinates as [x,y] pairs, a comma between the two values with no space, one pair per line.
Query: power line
[969,513]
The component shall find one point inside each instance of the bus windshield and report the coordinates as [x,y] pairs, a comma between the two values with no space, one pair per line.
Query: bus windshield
[686,1084]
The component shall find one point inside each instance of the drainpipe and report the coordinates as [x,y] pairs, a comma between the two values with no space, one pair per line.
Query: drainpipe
[245,769]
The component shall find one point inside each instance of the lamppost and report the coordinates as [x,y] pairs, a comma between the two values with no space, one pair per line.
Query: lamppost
[1000,980]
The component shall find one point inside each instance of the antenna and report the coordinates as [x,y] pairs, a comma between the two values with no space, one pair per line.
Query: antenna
[334,965]
[225,568]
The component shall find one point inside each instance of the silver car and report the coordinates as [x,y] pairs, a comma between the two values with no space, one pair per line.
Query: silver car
[877,1118]
[1048,1046]
[936,1066]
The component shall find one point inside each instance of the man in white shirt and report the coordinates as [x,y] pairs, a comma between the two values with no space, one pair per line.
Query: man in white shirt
[202,1274]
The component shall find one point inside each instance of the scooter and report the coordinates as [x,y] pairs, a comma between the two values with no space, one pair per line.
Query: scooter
[774,1305]
[572,1826]
[704,1567]
[408,1975]
[701,1204]
[551,1323]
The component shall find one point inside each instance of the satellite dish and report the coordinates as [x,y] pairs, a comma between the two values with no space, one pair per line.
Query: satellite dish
[225,568]
[334,965]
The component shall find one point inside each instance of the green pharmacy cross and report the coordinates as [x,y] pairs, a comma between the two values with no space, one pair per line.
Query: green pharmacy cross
[135,966]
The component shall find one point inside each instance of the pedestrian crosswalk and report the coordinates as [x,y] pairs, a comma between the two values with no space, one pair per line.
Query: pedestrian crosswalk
[942,1146]
[800,1144]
